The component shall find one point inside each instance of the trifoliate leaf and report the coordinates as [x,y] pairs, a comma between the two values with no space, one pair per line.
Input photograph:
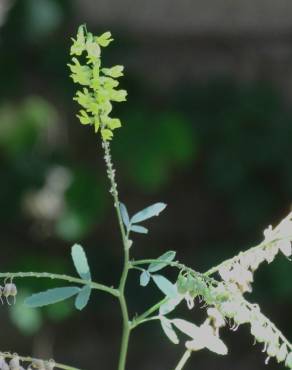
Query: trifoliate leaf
[165,286]
[168,330]
[83,297]
[105,39]
[125,214]
[163,261]
[139,229]
[51,296]
[106,134]
[144,278]
[80,262]
[148,212]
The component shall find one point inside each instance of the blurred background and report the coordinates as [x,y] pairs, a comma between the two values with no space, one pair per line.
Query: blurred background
[207,129]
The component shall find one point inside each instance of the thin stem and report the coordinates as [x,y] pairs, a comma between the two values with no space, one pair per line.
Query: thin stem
[8,355]
[71,279]
[141,319]
[126,265]
[183,360]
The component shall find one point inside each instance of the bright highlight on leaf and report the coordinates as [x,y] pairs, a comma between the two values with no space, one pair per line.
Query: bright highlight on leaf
[83,297]
[139,229]
[145,278]
[80,262]
[51,296]
[168,330]
[125,214]
[148,212]
[163,261]
[165,286]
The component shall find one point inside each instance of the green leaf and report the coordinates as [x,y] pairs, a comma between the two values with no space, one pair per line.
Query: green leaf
[139,229]
[168,330]
[51,296]
[165,286]
[148,212]
[170,305]
[80,262]
[125,214]
[165,259]
[144,278]
[83,297]
[187,327]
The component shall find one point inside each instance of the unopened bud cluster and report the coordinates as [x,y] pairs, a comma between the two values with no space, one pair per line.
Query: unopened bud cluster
[99,84]
[13,362]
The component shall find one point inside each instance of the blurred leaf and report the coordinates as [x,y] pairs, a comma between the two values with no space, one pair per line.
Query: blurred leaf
[27,320]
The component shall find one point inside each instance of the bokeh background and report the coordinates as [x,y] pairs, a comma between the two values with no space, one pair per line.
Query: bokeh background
[207,129]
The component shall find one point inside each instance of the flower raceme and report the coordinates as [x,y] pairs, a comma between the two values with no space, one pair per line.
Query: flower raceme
[99,84]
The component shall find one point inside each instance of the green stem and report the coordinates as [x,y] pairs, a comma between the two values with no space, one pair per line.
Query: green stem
[141,319]
[126,265]
[183,360]
[71,279]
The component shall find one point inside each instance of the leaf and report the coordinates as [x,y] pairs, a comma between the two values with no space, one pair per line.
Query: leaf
[148,212]
[80,262]
[139,229]
[187,327]
[125,214]
[83,297]
[165,286]
[168,330]
[144,278]
[165,258]
[170,305]
[51,296]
